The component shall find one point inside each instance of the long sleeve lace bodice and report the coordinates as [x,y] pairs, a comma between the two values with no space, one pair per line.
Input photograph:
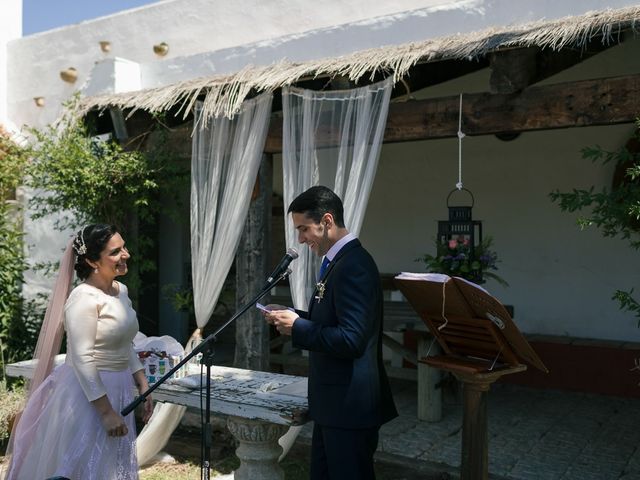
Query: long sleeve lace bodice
[100,330]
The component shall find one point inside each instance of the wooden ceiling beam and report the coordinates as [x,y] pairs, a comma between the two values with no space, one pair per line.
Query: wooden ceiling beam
[514,69]
[603,101]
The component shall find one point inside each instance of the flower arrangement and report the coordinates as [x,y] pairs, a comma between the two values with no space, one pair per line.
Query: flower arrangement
[454,258]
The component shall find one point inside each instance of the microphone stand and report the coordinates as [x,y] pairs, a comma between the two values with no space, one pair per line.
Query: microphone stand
[207,359]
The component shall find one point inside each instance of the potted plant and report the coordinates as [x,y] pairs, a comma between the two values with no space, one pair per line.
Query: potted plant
[457,258]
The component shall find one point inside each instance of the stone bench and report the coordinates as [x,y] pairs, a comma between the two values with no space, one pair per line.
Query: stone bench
[259,408]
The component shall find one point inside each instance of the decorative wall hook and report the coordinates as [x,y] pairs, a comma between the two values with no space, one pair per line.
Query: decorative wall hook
[105,46]
[39,101]
[161,49]
[69,75]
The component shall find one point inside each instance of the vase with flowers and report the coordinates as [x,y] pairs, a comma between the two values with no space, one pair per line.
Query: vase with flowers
[456,258]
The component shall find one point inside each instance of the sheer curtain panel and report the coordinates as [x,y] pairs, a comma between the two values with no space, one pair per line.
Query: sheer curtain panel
[353,121]
[225,160]
[226,155]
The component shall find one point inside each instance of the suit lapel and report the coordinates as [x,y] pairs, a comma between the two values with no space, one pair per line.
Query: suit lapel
[341,254]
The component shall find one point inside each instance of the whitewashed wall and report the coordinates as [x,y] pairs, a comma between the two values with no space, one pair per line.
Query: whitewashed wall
[207,37]
[561,279]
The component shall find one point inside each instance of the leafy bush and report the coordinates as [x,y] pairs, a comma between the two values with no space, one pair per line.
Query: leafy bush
[15,342]
[91,179]
[102,181]
[12,266]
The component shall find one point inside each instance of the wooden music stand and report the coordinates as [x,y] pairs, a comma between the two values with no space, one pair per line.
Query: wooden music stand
[480,344]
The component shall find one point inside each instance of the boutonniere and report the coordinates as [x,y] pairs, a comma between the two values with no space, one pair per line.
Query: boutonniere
[320,287]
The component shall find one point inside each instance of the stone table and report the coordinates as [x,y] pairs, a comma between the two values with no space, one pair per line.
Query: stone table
[259,406]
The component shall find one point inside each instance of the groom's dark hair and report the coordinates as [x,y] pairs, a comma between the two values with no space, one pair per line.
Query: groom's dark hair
[317,201]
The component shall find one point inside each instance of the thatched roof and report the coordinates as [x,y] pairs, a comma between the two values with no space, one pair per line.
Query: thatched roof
[225,93]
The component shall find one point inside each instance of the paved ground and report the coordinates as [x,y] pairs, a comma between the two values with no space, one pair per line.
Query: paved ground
[533,434]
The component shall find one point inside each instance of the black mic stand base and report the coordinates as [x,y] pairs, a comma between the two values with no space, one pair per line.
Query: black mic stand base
[206,430]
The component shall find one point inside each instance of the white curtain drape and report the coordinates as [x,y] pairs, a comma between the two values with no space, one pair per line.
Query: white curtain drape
[356,120]
[226,156]
[225,160]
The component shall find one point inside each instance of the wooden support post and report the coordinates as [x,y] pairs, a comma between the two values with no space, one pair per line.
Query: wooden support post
[252,260]
[475,437]
[429,392]
[475,448]
[478,351]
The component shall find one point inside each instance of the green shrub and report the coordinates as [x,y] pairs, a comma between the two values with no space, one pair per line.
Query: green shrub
[15,341]
[101,181]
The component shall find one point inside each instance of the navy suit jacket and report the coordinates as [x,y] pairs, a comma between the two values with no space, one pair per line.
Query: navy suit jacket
[348,385]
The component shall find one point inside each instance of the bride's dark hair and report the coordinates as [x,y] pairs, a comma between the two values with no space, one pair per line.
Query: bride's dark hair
[88,244]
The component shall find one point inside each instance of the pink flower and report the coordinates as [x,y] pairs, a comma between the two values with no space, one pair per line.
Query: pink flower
[453,244]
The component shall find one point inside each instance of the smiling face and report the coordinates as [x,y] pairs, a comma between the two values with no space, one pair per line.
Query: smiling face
[315,235]
[113,259]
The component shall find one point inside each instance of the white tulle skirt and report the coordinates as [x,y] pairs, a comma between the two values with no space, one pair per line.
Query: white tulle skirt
[60,433]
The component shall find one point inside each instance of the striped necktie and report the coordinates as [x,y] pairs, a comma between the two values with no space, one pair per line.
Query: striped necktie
[323,268]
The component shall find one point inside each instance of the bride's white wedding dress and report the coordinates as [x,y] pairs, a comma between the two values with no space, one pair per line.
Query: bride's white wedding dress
[60,432]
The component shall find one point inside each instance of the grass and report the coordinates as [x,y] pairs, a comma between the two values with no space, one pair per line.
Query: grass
[186,466]
[182,470]
[189,469]
[184,447]
[11,402]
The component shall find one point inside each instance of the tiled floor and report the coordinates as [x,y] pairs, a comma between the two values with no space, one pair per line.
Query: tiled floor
[533,434]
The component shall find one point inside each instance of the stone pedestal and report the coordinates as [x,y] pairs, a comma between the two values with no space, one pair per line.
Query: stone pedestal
[258,450]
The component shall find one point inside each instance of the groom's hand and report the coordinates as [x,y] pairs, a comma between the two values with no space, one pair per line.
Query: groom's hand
[282,319]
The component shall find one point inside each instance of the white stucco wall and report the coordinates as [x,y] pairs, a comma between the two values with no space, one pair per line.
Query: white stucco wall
[561,279]
[208,38]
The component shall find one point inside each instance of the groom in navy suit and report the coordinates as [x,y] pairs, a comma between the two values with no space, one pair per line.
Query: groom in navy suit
[349,394]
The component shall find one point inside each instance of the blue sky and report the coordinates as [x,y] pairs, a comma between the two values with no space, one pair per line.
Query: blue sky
[41,15]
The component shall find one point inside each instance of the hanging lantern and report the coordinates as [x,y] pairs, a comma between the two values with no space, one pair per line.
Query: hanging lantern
[461,233]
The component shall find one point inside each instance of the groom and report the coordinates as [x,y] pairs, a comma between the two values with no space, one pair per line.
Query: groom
[349,393]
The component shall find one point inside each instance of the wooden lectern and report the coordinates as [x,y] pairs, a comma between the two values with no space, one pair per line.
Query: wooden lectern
[480,344]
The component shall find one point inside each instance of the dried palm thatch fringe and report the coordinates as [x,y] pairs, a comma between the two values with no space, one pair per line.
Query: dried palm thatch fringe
[224,94]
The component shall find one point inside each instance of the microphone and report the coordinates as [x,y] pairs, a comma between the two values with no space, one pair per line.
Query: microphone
[289,257]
